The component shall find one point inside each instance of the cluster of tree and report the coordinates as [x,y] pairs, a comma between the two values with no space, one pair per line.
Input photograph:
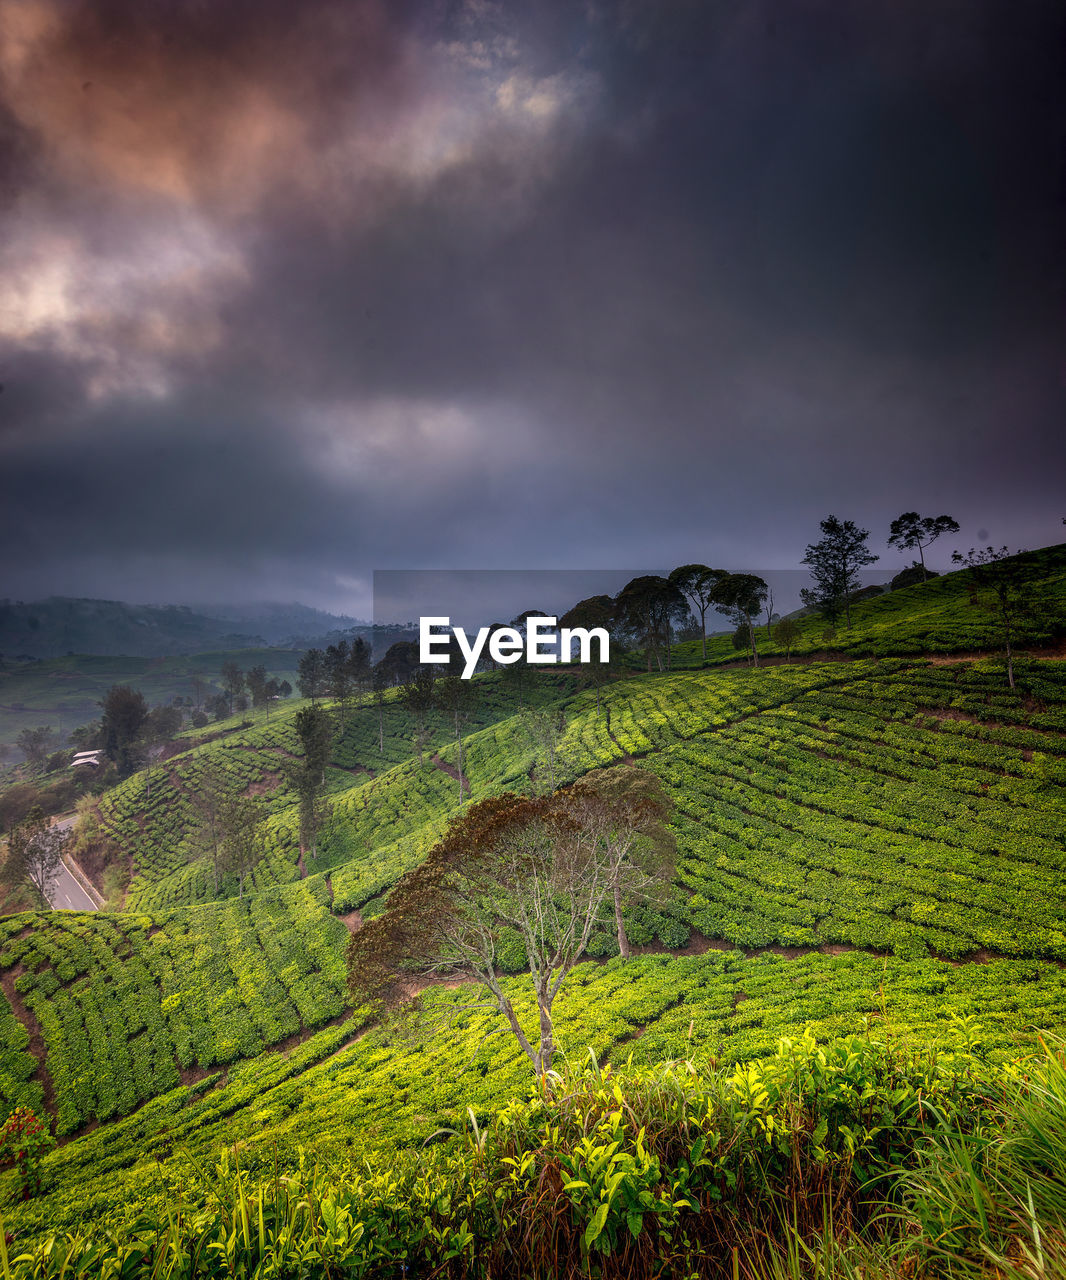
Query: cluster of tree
[38,744]
[238,687]
[652,611]
[131,734]
[838,557]
[316,730]
[548,869]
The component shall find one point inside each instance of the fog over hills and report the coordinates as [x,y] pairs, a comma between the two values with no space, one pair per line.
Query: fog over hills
[60,625]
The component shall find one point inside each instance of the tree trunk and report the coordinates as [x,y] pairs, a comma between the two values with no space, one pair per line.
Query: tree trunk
[925,571]
[623,942]
[459,754]
[508,1012]
[1010,661]
[547,1031]
[703,631]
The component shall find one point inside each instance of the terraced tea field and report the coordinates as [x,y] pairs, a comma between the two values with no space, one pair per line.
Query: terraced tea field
[349,1089]
[126,1003]
[878,840]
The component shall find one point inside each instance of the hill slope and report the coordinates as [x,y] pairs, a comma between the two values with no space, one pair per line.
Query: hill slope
[877,838]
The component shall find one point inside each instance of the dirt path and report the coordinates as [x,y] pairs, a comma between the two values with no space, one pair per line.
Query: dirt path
[36,1046]
[452,772]
[622,751]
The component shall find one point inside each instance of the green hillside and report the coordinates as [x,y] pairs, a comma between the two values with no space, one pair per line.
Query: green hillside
[936,617]
[870,836]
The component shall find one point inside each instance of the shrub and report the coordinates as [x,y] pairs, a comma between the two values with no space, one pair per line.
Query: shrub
[23,1141]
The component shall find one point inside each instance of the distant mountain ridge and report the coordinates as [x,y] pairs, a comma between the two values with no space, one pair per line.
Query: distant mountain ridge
[60,625]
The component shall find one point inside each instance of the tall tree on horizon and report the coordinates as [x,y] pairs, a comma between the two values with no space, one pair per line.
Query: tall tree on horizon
[910,530]
[315,731]
[744,595]
[697,583]
[455,699]
[418,699]
[835,561]
[233,683]
[258,685]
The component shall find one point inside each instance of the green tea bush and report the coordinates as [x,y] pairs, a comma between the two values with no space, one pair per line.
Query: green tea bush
[636,1173]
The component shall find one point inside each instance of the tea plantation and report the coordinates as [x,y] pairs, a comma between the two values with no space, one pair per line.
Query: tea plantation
[875,837]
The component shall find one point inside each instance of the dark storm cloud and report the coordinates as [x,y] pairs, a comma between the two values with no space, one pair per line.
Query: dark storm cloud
[337,287]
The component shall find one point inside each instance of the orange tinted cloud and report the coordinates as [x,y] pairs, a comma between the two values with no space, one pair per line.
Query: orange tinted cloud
[212,103]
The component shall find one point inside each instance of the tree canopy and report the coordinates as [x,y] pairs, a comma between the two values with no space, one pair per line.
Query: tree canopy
[697,583]
[647,608]
[835,561]
[34,853]
[544,867]
[912,531]
[744,595]
[125,713]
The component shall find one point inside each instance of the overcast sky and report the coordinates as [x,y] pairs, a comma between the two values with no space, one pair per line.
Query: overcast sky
[294,292]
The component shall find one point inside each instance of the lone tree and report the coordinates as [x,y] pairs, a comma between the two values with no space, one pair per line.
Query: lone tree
[1000,582]
[786,633]
[544,729]
[596,611]
[311,675]
[34,853]
[455,699]
[242,844]
[418,699]
[910,531]
[697,583]
[258,685]
[308,775]
[744,595]
[625,809]
[35,744]
[542,866]
[233,683]
[835,562]
[208,801]
[124,715]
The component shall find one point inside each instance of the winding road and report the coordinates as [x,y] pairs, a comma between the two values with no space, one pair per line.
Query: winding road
[65,892]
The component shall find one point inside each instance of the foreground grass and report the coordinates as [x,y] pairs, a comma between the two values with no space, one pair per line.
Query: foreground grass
[821,1160]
